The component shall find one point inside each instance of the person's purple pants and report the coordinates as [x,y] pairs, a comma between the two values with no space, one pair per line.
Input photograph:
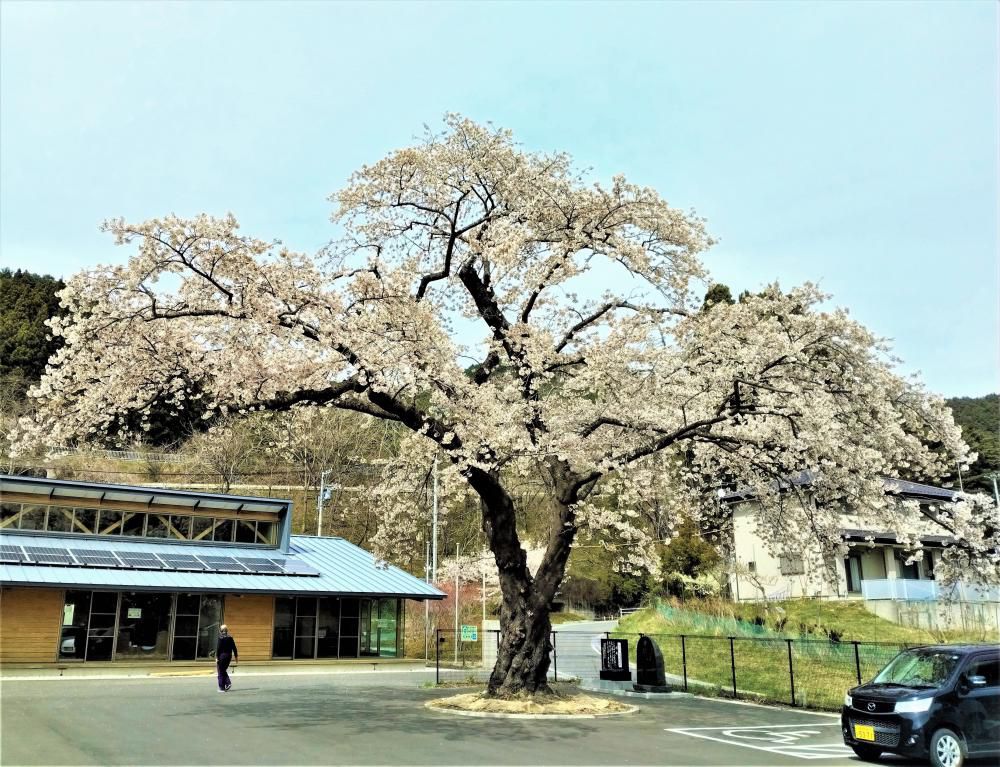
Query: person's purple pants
[223,664]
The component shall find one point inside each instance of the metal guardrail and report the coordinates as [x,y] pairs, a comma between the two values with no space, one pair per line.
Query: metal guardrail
[924,590]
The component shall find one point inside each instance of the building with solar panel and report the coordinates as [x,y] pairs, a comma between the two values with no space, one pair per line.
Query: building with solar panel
[96,572]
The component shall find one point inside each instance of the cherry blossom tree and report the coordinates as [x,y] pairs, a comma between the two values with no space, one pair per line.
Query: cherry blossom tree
[517,320]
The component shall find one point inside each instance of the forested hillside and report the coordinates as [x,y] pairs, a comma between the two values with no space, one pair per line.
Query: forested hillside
[979,418]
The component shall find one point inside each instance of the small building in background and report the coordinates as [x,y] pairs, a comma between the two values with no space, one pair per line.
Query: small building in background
[100,572]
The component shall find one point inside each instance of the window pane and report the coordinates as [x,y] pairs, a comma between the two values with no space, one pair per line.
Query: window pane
[99,647]
[156,526]
[186,625]
[8,514]
[110,522]
[180,527]
[246,531]
[105,602]
[33,517]
[305,647]
[188,604]
[85,521]
[135,524]
[102,621]
[184,648]
[224,529]
[265,532]
[60,520]
[348,647]
[201,528]
[348,626]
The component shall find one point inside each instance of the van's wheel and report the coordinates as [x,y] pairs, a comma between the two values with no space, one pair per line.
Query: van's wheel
[947,749]
[867,753]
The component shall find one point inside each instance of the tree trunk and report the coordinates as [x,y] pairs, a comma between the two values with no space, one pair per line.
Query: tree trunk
[523,655]
[525,629]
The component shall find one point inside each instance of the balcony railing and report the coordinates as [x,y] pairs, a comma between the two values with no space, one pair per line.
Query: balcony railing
[924,590]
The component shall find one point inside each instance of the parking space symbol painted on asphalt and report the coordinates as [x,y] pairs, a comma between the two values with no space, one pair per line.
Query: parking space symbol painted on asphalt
[805,741]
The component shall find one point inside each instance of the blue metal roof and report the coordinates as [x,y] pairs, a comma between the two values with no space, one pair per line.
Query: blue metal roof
[345,569]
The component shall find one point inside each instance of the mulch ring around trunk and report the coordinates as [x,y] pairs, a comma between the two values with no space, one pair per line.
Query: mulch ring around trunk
[539,707]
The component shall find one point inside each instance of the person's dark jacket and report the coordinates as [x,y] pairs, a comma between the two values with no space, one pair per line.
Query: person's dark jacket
[227,645]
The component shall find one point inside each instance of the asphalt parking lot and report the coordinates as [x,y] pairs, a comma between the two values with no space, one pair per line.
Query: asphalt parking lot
[376,719]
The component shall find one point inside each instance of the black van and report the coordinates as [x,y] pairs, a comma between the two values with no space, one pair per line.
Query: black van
[941,702]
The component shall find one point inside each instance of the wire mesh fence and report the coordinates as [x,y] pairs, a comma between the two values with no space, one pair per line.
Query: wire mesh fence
[813,673]
[809,673]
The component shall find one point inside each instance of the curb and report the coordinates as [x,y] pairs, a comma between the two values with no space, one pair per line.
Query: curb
[664,696]
[497,715]
[193,675]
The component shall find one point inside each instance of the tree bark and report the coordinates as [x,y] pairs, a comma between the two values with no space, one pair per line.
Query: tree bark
[525,628]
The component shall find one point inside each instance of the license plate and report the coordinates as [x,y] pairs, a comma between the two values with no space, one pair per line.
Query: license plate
[864,732]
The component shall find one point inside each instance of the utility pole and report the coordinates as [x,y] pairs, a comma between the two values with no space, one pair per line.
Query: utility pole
[427,604]
[319,502]
[458,550]
[434,527]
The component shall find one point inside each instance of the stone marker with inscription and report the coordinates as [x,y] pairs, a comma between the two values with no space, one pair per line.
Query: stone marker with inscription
[649,667]
[614,660]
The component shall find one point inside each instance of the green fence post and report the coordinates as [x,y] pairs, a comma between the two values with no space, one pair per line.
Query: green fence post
[555,659]
[791,670]
[732,660]
[857,661]
[684,662]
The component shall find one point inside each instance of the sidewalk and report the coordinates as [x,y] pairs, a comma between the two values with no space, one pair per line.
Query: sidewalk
[11,672]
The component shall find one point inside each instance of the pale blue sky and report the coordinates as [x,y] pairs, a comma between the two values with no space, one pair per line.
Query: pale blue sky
[853,144]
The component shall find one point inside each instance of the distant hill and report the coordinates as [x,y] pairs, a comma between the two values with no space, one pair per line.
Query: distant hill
[979,418]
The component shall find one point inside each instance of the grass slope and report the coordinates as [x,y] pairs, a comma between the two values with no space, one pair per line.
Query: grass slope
[823,669]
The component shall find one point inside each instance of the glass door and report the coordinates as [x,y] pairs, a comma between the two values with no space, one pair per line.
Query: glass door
[328,633]
[101,628]
[284,627]
[369,633]
[209,620]
[305,627]
[76,615]
[349,627]
[185,645]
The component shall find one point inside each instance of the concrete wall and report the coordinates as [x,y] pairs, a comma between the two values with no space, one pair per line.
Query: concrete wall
[30,624]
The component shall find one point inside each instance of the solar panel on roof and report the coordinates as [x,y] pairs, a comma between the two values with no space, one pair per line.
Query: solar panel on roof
[260,565]
[96,558]
[46,555]
[183,561]
[11,554]
[140,561]
[222,564]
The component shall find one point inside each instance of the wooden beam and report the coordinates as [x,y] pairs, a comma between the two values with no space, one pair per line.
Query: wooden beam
[160,508]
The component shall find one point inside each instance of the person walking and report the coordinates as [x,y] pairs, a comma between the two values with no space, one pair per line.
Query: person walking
[225,652]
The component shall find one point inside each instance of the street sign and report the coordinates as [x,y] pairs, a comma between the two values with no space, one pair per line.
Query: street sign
[470,633]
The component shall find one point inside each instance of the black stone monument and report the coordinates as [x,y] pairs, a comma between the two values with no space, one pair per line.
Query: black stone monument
[649,667]
[614,660]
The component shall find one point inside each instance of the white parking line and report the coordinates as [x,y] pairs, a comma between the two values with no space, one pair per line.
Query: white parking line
[784,739]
